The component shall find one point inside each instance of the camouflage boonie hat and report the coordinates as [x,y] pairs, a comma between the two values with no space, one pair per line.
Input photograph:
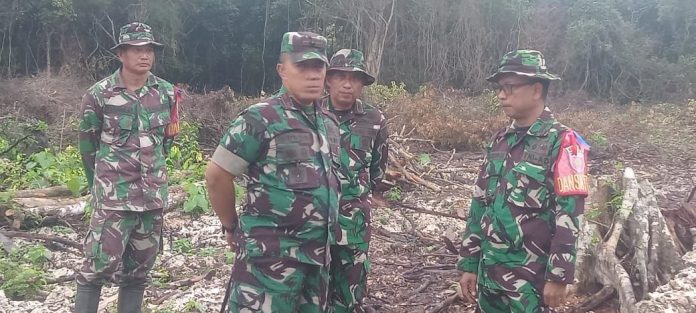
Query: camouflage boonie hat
[528,63]
[303,46]
[136,34]
[351,60]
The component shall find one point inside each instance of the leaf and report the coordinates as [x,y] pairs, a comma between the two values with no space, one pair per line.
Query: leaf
[45,159]
[5,197]
[189,205]
[202,202]
[424,159]
[75,186]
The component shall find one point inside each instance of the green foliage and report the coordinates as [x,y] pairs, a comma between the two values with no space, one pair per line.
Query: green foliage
[185,159]
[162,277]
[208,251]
[44,169]
[598,139]
[5,197]
[194,306]
[424,159]
[394,194]
[229,257]
[22,272]
[381,94]
[197,199]
[183,246]
[38,255]
[62,230]
[20,281]
[593,214]
[616,201]
[622,50]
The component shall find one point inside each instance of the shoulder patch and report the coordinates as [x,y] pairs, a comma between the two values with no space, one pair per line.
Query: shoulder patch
[570,172]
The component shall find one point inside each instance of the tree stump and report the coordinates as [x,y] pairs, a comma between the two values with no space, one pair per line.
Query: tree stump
[625,244]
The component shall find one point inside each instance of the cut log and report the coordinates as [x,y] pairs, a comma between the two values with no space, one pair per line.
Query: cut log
[50,192]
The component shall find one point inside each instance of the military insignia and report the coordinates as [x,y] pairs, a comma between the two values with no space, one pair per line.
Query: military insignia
[577,160]
[570,171]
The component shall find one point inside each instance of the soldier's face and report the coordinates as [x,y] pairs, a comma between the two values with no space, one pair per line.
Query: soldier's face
[519,96]
[304,80]
[344,87]
[137,59]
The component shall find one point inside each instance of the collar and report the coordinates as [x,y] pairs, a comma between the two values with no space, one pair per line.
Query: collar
[357,109]
[119,85]
[289,103]
[540,127]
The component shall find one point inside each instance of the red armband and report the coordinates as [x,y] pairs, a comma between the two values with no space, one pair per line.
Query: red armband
[570,172]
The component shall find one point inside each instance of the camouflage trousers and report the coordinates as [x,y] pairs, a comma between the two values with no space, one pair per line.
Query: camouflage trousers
[348,277]
[120,247]
[277,285]
[501,301]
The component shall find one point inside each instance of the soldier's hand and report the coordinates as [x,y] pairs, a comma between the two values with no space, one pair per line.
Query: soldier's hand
[468,285]
[230,241]
[554,294]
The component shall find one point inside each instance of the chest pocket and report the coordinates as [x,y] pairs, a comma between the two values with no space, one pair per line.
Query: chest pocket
[158,120]
[334,138]
[118,124]
[489,181]
[295,160]
[361,142]
[528,187]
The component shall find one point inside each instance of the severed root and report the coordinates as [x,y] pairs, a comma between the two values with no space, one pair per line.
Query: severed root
[596,299]
[449,301]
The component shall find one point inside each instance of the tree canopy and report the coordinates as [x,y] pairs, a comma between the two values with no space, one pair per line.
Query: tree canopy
[620,50]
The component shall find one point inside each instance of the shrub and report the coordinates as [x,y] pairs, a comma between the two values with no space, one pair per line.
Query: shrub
[462,122]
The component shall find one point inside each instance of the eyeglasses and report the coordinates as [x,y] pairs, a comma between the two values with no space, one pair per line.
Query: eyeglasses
[509,88]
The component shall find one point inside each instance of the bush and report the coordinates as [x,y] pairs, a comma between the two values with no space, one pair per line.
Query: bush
[382,94]
[454,121]
[22,272]
[43,169]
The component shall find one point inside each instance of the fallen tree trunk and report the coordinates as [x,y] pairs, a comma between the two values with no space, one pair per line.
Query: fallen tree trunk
[57,191]
[625,244]
[39,208]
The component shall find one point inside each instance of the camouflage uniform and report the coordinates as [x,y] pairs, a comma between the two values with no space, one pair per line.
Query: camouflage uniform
[122,145]
[364,150]
[520,233]
[289,152]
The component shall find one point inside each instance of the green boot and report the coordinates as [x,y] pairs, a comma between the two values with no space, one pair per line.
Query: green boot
[87,298]
[130,298]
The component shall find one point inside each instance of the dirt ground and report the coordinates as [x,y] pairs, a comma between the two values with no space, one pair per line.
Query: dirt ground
[412,269]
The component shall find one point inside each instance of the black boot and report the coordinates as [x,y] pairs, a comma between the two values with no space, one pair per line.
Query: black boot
[130,298]
[87,298]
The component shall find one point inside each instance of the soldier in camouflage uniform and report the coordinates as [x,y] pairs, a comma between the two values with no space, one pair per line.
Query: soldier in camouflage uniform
[288,148]
[122,145]
[518,250]
[363,130]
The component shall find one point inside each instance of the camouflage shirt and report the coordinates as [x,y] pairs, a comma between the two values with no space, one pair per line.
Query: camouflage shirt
[364,151]
[292,189]
[519,232]
[122,143]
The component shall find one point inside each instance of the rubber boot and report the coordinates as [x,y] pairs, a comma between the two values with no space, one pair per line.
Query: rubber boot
[130,298]
[87,298]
